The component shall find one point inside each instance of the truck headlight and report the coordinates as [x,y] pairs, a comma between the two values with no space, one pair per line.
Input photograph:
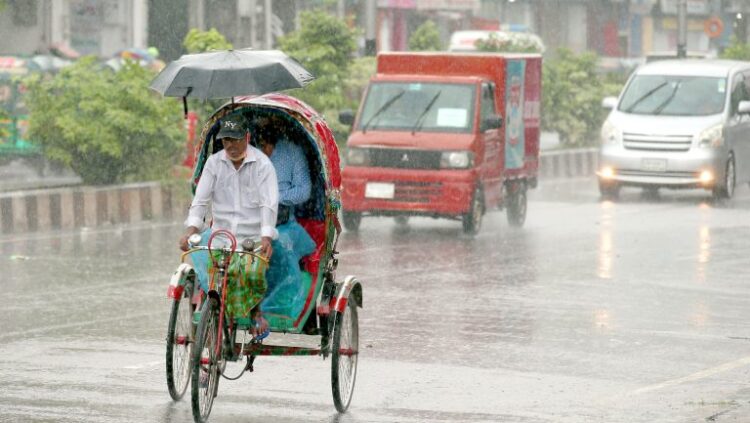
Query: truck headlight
[610,134]
[357,156]
[456,159]
[711,137]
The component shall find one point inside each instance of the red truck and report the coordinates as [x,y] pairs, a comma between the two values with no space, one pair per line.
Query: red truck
[445,135]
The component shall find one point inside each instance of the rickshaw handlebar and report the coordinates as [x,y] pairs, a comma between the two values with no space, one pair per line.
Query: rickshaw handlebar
[254,252]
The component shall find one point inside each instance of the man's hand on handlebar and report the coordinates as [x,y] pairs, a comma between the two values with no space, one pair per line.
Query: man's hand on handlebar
[266,249]
[183,243]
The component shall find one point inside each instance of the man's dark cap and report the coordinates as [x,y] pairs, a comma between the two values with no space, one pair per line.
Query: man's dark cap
[231,129]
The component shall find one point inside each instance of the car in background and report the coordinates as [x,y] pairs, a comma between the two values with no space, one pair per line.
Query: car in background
[678,124]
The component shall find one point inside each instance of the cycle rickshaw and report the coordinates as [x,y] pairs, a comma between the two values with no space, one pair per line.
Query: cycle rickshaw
[203,337]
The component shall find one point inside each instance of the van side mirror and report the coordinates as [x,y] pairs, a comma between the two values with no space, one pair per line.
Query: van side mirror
[491,122]
[346,117]
[743,108]
[609,102]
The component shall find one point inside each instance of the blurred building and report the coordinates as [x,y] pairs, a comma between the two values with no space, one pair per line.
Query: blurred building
[100,27]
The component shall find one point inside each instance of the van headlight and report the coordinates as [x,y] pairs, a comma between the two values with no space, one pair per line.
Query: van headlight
[456,159]
[712,137]
[610,134]
[357,156]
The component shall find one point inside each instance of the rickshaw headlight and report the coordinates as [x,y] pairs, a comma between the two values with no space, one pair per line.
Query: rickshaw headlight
[194,239]
[357,157]
[456,160]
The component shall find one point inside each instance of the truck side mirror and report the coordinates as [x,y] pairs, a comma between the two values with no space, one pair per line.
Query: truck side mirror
[743,108]
[609,102]
[491,122]
[346,117]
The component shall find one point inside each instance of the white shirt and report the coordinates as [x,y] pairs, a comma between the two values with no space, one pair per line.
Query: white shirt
[244,201]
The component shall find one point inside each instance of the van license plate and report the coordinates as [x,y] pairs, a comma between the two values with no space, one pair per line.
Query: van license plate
[379,190]
[654,165]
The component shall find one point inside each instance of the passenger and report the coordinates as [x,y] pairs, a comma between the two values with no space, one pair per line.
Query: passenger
[286,291]
[239,184]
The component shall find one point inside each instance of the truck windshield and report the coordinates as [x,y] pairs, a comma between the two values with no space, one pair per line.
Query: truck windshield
[427,107]
[674,95]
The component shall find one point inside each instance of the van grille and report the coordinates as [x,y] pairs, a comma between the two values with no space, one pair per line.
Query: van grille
[404,159]
[416,192]
[643,142]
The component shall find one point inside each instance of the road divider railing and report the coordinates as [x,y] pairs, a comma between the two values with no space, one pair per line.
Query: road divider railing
[88,207]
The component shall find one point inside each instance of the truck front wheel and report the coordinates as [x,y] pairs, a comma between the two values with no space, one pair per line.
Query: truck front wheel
[472,220]
[352,221]
[517,203]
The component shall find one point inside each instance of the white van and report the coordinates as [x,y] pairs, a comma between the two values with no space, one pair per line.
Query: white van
[679,124]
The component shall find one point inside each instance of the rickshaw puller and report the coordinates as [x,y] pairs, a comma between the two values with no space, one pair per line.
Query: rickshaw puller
[239,183]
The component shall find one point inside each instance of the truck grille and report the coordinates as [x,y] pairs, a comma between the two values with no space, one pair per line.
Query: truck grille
[416,192]
[643,142]
[404,159]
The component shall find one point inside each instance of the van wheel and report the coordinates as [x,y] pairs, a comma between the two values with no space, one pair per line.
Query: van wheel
[472,220]
[352,221]
[517,204]
[609,191]
[725,190]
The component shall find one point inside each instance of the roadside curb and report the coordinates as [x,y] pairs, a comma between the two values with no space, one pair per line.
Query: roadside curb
[84,206]
[568,163]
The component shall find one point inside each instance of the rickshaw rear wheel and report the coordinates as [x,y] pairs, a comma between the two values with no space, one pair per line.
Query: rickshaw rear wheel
[180,339]
[206,361]
[344,353]
[472,220]
[352,220]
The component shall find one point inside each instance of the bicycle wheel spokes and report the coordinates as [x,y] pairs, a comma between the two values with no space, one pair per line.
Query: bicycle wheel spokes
[179,345]
[205,362]
[344,356]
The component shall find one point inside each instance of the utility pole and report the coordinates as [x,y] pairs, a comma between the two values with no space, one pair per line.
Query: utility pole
[682,29]
[370,12]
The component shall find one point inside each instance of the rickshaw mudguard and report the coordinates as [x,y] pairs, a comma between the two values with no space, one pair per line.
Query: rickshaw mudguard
[350,285]
[178,281]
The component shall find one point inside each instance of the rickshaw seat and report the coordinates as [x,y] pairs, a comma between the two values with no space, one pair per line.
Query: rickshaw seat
[316,230]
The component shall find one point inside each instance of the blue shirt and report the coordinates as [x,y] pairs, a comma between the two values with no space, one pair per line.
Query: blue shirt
[292,173]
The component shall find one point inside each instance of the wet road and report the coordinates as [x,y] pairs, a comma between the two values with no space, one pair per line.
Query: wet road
[635,311]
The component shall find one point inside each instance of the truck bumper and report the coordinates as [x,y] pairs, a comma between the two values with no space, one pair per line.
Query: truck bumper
[421,192]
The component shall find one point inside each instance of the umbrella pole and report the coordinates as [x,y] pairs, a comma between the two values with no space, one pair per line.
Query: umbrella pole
[184,106]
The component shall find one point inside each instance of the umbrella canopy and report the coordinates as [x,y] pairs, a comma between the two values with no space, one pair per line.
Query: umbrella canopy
[230,73]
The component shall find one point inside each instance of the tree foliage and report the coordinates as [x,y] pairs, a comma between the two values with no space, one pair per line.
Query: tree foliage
[737,50]
[426,38]
[572,95]
[324,45]
[197,41]
[107,126]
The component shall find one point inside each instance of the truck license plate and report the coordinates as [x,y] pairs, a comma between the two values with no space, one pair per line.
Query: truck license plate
[379,190]
[654,165]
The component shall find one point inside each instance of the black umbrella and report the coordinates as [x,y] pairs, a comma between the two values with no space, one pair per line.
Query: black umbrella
[230,73]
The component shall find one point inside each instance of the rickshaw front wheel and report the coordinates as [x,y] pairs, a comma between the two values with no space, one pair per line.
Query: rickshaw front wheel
[180,339]
[206,361]
[344,353]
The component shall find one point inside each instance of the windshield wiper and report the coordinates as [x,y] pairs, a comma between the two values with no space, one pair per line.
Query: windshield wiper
[645,96]
[420,119]
[666,102]
[382,108]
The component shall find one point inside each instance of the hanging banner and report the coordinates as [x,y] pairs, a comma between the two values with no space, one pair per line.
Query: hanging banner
[515,147]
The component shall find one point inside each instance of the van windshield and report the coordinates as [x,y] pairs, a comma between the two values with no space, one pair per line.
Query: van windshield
[674,95]
[411,106]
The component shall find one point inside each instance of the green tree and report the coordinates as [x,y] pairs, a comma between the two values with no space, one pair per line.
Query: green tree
[737,50]
[572,94]
[426,38]
[107,126]
[197,41]
[510,43]
[324,45]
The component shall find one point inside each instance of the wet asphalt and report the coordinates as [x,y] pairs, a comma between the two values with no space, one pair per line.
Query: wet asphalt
[633,311]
